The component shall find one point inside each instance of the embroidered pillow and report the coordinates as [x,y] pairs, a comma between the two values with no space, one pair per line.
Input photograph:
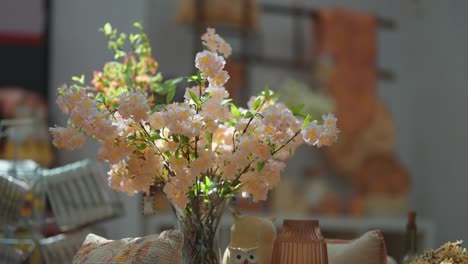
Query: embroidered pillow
[165,248]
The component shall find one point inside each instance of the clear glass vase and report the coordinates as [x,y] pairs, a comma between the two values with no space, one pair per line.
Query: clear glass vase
[199,223]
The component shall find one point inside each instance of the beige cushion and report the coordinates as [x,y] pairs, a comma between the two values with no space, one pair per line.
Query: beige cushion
[165,248]
[367,249]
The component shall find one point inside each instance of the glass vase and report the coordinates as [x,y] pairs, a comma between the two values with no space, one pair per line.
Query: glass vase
[199,224]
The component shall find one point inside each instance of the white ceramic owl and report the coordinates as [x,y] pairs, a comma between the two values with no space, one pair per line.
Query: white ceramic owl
[252,240]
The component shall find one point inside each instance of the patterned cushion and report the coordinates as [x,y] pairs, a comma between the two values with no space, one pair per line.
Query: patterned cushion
[165,248]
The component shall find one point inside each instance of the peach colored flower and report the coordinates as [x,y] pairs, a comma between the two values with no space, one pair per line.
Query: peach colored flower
[66,137]
[218,93]
[206,159]
[179,165]
[329,132]
[327,137]
[133,105]
[114,151]
[261,150]
[176,193]
[209,63]
[223,139]
[311,133]
[156,120]
[255,185]
[218,79]
[72,97]
[229,171]
[329,120]
[118,178]
[213,110]
[62,104]
[215,43]
[210,39]
[272,172]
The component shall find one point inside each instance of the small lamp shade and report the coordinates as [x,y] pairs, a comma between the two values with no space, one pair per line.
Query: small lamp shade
[300,242]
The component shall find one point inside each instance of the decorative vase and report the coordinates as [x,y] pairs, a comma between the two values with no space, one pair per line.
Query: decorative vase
[199,224]
[300,242]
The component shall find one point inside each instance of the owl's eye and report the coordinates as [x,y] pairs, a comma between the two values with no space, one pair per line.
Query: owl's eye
[253,258]
[238,258]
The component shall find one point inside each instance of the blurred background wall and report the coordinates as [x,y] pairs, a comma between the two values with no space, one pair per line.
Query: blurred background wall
[426,52]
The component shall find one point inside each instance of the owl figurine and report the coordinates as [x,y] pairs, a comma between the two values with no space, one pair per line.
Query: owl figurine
[252,240]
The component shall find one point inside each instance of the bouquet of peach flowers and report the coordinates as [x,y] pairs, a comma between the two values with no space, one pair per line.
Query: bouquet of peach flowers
[200,146]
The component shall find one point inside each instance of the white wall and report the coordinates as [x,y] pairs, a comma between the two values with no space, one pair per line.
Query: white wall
[427,99]
[434,64]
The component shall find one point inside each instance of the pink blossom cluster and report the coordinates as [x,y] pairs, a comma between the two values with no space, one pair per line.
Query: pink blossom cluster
[181,144]
[215,43]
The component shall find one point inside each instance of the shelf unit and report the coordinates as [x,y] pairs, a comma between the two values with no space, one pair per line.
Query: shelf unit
[297,14]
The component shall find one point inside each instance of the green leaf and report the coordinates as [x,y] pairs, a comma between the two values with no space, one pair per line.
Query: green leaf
[100,98]
[134,37]
[248,114]
[235,111]
[274,95]
[306,121]
[80,79]
[155,136]
[226,101]
[170,94]
[193,78]
[175,138]
[267,92]
[107,29]
[260,165]
[208,181]
[119,54]
[184,139]
[195,98]
[168,87]
[174,82]
[157,78]
[257,103]
[157,108]
[177,150]
[205,97]
[203,187]
[296,109]
[141,146]
[138,25]
[238,187]
[209,136]
[225,188]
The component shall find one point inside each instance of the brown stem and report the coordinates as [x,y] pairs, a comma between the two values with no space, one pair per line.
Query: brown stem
[291,139]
